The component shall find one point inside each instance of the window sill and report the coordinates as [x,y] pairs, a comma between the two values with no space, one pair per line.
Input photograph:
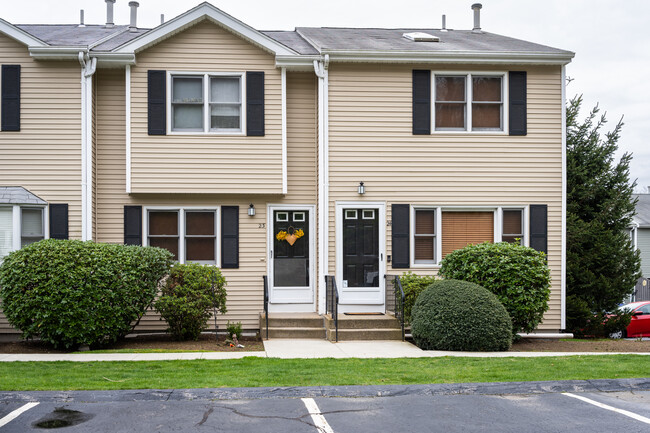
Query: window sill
[211,133]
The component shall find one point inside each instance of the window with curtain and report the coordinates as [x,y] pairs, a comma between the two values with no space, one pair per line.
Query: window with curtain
[194,96]
[513,228]
[424,242]
[459,98]
[31,226]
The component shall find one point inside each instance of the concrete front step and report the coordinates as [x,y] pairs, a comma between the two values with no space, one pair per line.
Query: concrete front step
[296,333]
[364,334]
[364,322]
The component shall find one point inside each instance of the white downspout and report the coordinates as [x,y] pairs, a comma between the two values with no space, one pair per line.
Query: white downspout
[88,68]
[564,209]
[321,70]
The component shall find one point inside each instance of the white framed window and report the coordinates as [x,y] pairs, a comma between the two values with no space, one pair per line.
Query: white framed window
[21,225]
[206,103]
[298,216]
[368,214]
[351,214]
[438,230]
[191,234]
[282,217]
[469,102]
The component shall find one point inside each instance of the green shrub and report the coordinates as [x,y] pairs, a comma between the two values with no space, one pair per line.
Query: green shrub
[233,328]
[518,275]
[457,315]
[72,293]
[189,296]
[413,285]
[586,323]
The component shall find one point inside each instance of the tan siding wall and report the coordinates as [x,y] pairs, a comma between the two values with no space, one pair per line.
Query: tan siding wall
[245,289]
[45,156]
[207,163]
[371,141]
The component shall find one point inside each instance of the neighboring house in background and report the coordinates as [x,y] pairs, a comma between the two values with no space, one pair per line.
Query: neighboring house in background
[640,233]
[387,148]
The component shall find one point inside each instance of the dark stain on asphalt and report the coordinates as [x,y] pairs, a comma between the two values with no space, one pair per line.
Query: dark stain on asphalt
[62,417]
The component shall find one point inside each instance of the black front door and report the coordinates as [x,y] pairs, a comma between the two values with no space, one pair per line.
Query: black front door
[291,248]
[360,248]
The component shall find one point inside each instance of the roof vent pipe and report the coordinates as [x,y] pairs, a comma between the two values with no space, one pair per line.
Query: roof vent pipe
[134,16]
[162,18]
[109,13]
[81,18]
[444,23]
[476,7]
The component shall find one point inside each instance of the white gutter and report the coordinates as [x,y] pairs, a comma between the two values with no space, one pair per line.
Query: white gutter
[321,70]
[564,209]
[88,68]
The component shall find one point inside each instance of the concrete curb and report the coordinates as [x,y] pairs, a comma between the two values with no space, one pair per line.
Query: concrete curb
[356,391]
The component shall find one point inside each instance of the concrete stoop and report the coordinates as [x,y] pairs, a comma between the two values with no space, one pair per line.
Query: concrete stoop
[351,327]
[293,325]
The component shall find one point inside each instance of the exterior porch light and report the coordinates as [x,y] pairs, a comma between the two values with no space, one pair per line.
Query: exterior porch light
[361,189]
[251,210]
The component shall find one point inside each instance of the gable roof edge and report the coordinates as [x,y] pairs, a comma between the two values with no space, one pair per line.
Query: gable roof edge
[194,15]
[20,35]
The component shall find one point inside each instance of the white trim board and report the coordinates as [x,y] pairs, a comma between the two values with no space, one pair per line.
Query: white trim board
[22,36]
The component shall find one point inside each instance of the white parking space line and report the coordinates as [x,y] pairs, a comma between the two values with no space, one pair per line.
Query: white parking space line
[613,409]
[317,416]
[15,414]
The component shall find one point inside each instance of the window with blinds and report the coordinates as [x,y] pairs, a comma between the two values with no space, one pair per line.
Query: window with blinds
[460,229]
[425,236]
[6,231]
[31,230]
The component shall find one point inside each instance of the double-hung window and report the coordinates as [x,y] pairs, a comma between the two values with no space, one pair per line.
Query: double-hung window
[513,226]
[469,102]
[189,234]
[207,103]
[425,236]
[19,227]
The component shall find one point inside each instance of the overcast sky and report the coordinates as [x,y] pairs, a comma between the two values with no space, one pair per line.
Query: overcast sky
[610,38]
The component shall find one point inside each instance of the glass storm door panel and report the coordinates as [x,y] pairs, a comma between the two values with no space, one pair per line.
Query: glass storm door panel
[291,281]
[360,248]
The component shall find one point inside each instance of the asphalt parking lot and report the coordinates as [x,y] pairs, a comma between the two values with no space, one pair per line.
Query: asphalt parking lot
[345,409]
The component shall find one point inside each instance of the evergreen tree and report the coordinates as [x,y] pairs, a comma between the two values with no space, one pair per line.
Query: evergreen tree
[602,266]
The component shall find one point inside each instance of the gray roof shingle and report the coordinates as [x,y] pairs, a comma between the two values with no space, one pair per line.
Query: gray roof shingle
[329,38]
[18,195]
[70,34]
[292,40]
[642,216]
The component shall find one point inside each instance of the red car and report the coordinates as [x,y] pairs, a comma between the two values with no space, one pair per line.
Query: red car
[640,324]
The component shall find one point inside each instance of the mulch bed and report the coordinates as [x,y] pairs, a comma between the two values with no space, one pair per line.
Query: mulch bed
[596,345]
[205,343]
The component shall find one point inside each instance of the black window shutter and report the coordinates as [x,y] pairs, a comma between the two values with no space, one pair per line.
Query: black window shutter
[517,104]
[157,102]
[421,102]
[539,227]
[255,104]
[10,98]
[401,236]
[133,225]
[58,221]
[230,237]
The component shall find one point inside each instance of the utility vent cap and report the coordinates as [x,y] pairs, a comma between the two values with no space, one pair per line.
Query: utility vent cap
[420,37]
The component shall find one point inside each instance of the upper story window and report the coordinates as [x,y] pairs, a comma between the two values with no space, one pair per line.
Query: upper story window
[468,102]
[206,103]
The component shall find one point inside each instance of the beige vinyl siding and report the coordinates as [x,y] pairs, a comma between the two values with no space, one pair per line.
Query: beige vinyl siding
[371,140]
[643,245]
[204,163]
[45,155]
[245,288]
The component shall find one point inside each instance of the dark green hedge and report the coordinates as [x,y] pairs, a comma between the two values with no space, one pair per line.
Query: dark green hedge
[413,285]
[71,293]
[518,275]
[190,295]
[457,315]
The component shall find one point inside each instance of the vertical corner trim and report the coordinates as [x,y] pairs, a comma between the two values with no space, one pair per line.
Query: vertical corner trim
[127,85]
[284,130]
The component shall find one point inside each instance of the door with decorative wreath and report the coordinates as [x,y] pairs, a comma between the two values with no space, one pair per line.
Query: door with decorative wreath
[292,263]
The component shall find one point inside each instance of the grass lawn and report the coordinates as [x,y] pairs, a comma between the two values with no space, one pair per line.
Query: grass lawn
[254,372]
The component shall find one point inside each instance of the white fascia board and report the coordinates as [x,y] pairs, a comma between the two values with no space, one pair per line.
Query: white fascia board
[20,35]
[473,57]
[204,10]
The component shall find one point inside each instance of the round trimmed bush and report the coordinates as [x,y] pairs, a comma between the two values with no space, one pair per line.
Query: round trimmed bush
[518,275]
[72,293]
[457,315]
[189,296]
